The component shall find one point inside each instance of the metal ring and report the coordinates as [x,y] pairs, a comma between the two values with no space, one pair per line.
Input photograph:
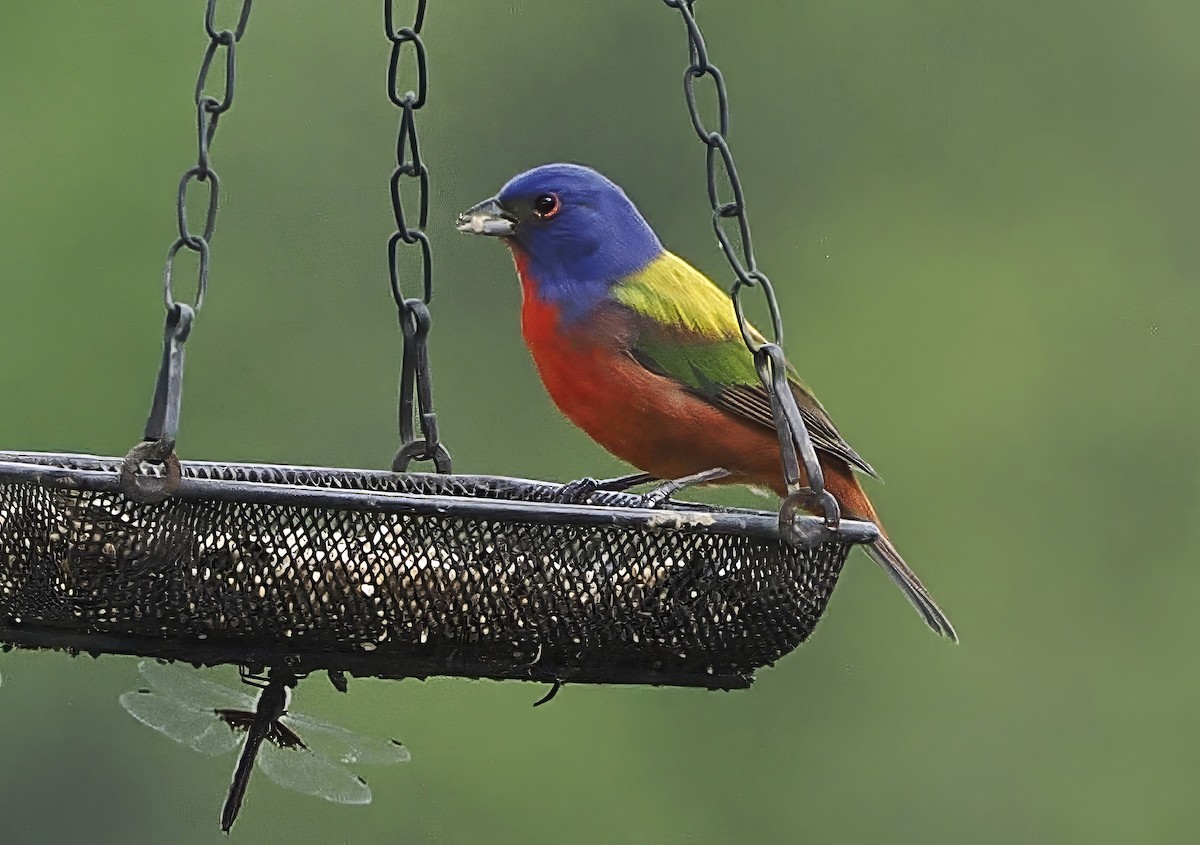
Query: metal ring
[809,500]
[206,128]
[389,23]
[150,490]
[199,173]
[696,47]
[407,35]
[803,532]
[210,25]
[407,137]
[727,248]
[412,236]
[772,307]
[690,75]
[201,248]
[421,173]
[222,104]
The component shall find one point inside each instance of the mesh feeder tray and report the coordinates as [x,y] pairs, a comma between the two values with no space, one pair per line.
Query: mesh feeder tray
[397,574]
[403,576]
[293,569]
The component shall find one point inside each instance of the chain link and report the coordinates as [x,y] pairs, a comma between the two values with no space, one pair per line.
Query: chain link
[731,224]
[209,109]
[416,385]
[162,425]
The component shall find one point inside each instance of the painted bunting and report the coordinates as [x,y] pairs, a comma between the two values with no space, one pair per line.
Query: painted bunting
[643,352]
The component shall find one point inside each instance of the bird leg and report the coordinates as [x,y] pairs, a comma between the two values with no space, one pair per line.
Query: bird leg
[577,492]
[665,491]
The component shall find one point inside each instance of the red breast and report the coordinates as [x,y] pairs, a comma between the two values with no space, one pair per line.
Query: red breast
[643,418]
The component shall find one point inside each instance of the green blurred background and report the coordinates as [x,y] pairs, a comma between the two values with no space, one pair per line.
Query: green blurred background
[981,221]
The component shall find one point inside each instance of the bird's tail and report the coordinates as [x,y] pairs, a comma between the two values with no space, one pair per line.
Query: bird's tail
[840,481]
[884,553]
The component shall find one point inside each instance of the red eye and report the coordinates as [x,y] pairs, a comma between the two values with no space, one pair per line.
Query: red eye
[546,206]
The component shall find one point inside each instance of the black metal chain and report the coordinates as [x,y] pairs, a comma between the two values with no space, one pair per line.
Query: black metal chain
[768,355]
[162,426]
[415,378]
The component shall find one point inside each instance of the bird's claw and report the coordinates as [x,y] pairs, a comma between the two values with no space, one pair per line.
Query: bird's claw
[576,492]
[665,491]
[660,494]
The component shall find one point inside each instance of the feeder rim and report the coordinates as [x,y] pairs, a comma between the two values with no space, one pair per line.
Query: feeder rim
[412,666]
[43,468]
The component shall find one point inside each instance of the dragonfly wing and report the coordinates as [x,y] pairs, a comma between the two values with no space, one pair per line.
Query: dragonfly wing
[302,771]
[196,728]
[185,685]
[344,746]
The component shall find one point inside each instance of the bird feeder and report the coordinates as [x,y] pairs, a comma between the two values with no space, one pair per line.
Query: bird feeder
[400,574]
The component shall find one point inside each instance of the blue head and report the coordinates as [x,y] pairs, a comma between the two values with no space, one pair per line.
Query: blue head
[577,232]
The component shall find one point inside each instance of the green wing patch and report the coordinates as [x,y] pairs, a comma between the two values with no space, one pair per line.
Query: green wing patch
[687,331]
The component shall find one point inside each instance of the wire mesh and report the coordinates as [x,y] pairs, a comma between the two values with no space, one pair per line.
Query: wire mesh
[401,575]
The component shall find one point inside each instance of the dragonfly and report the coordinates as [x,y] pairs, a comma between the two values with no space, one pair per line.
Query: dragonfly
[297,752]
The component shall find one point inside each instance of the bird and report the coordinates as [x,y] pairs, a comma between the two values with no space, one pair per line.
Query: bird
[644,352]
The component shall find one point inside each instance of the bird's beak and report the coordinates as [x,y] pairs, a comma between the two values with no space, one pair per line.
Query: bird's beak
[487,218]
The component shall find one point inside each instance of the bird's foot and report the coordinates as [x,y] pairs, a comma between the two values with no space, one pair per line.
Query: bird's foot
[579,491]
[665,491]
[576,492]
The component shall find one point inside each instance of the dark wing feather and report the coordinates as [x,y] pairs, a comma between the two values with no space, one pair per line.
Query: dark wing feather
[752,403]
